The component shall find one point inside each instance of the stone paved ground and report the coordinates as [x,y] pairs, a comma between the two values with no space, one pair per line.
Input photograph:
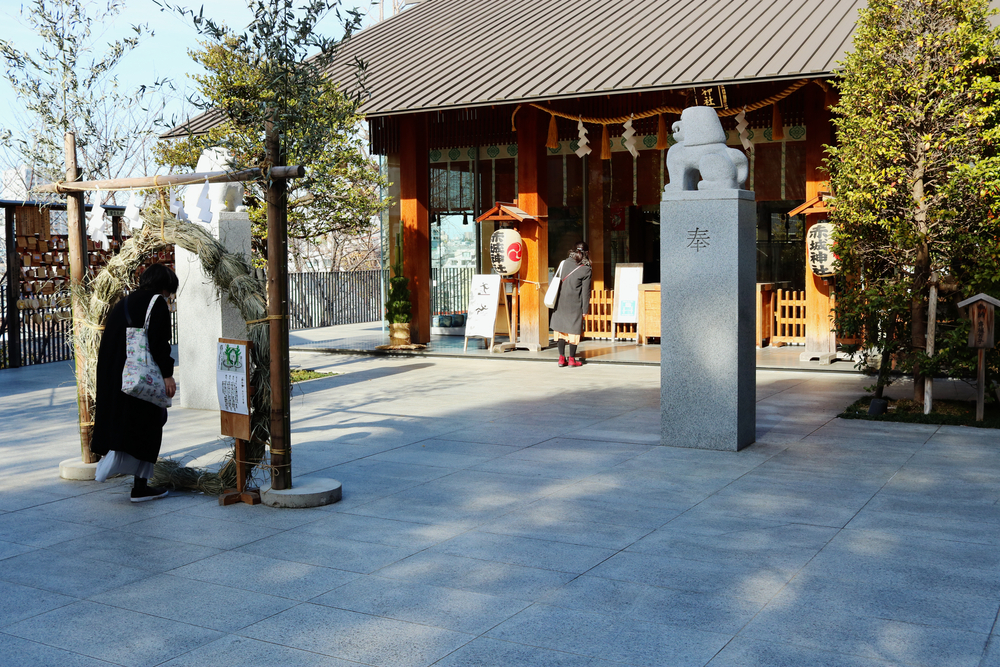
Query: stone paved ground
[511,513]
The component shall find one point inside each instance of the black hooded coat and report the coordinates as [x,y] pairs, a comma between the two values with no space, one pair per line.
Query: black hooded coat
[124,423]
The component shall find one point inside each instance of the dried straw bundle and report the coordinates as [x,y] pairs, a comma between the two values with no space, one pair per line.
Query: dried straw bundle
[233,277]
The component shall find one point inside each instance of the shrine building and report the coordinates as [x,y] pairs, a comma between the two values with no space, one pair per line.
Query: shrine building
[474,103]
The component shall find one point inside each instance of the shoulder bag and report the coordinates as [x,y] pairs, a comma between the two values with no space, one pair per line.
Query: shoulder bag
[141,377]
[552,293]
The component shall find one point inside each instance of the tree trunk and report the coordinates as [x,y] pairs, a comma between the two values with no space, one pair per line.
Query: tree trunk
[921,276]
[931,331]
[885,363]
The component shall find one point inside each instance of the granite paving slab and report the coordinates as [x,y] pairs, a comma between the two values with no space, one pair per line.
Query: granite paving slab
[206,605]
[282,578]
[246,652]
[620,640]
[119,636]
[328,551]
[371,640]
[449,608]
[486,652]
[17,651]
[67,574]
[479,576]
[837,630]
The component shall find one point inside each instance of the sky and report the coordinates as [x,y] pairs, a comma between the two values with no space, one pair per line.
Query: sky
[164,55]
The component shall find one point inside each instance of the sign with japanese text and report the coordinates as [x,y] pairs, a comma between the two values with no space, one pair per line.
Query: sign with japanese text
[483,300]
[819,249]
[231,375]
[981,332]
[626,300]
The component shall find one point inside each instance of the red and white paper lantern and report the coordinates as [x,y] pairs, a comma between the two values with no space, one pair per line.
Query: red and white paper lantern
[506,250]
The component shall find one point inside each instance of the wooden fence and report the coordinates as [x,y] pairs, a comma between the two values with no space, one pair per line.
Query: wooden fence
[789,318]
[597,322]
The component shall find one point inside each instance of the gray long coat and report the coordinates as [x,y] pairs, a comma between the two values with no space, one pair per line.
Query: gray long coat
[574,299]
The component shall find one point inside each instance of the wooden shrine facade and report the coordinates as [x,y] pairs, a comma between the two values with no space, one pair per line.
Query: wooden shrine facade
[450,166]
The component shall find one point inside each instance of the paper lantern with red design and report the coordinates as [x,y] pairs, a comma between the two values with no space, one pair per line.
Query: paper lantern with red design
[506,250]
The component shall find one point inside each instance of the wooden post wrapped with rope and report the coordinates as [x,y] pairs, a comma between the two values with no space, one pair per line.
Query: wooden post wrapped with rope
[277,309]
[77,273]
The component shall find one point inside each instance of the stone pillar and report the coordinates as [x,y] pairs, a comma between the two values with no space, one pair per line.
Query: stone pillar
[204,316]
[708,274]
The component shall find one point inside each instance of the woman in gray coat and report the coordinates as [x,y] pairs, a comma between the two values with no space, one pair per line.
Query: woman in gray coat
[573,303]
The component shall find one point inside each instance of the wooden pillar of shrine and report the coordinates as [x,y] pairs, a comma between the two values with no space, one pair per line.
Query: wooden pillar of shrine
[532,126]
[414,192]
[821,340]
[595,213]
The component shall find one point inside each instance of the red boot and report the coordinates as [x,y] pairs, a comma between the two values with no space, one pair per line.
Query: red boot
[562,361]
[573,361]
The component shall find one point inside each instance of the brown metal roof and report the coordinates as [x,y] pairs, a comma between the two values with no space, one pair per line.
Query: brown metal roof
[200,124]
[447,54]
[457,53]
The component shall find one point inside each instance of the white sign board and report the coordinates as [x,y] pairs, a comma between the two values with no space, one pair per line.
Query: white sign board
[628,277]
[231,378]
[483,300]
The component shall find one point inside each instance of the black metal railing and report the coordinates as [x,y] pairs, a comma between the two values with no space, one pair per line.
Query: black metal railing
[450,293]
[338,297]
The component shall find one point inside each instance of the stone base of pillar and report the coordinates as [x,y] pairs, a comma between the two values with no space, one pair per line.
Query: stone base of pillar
[708,319]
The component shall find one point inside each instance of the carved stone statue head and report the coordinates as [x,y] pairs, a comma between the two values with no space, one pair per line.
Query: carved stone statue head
[699,126]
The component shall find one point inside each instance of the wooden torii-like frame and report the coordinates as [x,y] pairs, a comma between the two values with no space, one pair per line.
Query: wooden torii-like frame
[277,280]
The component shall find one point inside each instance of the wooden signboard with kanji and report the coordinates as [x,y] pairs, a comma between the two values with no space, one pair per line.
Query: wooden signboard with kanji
[233,386]
[981,316]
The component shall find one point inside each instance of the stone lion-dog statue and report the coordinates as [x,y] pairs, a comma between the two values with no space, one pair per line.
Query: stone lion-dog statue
[701,151]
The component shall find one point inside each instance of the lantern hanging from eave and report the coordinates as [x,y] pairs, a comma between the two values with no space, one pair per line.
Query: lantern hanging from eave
[506,250]
[819,249]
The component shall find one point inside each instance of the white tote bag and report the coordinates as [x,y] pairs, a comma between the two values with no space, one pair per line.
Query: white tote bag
[141,377]
[552,293]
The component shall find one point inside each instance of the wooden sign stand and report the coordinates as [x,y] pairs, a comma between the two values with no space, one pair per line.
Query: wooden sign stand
[512,216]
[981,314]
[511,312]
[237,426]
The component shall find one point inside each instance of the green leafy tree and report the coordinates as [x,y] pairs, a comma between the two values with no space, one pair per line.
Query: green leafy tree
[275,71]
[69,84]
[916,180]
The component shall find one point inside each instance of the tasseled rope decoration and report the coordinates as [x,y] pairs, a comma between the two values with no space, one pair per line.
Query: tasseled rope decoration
[553,139]
[777,123]
[662,135]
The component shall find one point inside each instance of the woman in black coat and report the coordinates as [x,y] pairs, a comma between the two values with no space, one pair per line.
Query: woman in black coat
[572,304]
[128,430]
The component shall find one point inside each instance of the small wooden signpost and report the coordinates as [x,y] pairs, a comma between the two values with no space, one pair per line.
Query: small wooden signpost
[625,308]
[485,302]
[233,386]
[981,314]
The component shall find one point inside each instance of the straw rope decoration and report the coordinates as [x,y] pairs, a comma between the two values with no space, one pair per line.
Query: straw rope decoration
[234,278]
[552,137]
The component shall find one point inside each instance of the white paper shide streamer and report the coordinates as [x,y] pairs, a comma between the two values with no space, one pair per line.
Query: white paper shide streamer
[629,138]
[176,208]
[96,221]
[198,204]
[583,144]
[741,127]
[132,211]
